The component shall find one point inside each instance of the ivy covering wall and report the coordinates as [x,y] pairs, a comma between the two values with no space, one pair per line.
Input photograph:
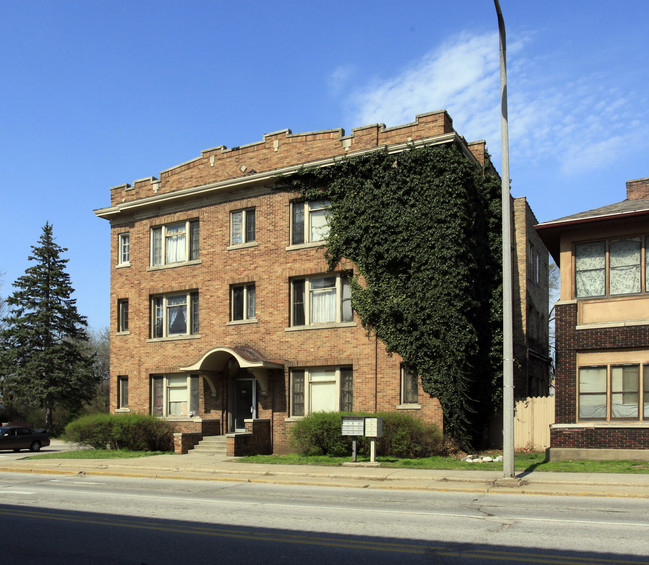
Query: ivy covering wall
[423,229]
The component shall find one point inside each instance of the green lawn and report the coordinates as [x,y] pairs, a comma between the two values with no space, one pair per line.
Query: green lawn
[523,462]
[98,454]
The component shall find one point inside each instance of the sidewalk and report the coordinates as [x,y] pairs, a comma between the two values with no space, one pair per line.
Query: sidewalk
[215,468]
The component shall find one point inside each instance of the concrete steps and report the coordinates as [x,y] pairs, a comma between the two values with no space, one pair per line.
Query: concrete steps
[210,445]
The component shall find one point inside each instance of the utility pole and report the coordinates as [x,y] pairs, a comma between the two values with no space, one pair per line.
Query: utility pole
[508,347]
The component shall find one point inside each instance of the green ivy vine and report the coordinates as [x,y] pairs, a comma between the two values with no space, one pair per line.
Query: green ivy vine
[423,230]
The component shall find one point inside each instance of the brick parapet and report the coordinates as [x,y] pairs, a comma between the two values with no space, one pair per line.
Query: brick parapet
[282,149]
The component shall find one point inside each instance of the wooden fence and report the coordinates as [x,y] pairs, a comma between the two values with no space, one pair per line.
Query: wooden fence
[532,419]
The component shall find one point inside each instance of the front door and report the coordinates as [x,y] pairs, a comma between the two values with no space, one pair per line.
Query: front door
[244,402]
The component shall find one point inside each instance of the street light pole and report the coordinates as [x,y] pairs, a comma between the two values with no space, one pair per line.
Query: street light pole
[508,349]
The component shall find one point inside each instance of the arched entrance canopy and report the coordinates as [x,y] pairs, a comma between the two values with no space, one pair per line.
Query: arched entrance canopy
[247,358]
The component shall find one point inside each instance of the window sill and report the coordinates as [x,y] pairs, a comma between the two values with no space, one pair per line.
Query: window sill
[329,326]
[173,338]
[122,410]
[306,245]
[242,322]
[174,265]
[293,418]
[242,246]
[122,265]
[408,406]
[127,332]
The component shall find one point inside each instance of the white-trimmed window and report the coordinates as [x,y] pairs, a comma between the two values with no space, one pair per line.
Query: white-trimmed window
[122,315]
[175,395]
[243,226]
[409,386]
[175,243]
[321,389]
[614,392]
[243,302]
[321,300]
[122,392]
[124,249]
[309,221]
[174,315]
[609,268]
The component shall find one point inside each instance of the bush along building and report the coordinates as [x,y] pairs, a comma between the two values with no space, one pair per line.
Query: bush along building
[319,271]
[602,330]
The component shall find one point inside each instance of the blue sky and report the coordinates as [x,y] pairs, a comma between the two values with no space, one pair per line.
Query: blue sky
[97,94]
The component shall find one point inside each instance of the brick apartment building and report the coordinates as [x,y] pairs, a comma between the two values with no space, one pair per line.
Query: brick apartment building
[224,318]
[602,330]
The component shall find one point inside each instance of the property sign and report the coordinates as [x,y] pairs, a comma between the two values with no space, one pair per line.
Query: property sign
[353,426]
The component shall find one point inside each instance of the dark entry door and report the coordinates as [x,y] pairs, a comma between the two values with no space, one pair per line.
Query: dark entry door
[244,405]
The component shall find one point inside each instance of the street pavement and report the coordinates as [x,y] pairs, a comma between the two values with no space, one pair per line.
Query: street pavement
[221,468]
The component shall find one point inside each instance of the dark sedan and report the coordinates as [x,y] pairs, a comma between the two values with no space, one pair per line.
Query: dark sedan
[18,437]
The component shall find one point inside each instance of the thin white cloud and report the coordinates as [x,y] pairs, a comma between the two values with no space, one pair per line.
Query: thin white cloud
[583,124]
[339,78]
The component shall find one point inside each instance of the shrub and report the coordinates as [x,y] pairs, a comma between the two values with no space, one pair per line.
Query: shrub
[135,432]
[319,434]
[403,436]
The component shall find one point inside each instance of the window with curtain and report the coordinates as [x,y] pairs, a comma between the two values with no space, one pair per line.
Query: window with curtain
[175,243]
[614,392]
[242,226]
[174,315]
[310,221]
[175,395]
[321,300]
[321,389]
[124,249]
[611,267]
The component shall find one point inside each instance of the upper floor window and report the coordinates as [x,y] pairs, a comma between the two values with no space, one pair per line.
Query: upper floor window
[309,221]
[321,300]
[614,392]
[243,302]
[174,243]
[242,226]
[321,390]
[174,315]
[612,267]
[123,249]
[122,315]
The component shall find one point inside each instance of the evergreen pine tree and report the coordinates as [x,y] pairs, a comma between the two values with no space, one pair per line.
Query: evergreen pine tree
[44,360]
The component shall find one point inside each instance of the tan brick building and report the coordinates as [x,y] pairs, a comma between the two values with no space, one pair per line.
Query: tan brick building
[224,318]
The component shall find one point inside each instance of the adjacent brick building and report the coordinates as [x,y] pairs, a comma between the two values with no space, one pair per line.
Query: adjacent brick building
[602,330]
[224,318]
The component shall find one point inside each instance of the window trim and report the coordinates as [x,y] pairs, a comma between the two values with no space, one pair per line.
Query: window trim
[160,308]
[192,244]
[303,309]
[124,248]
[340,373]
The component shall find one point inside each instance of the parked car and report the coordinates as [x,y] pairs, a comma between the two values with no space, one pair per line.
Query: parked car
[19,437]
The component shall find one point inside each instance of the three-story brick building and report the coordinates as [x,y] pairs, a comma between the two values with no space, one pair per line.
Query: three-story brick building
[224,317]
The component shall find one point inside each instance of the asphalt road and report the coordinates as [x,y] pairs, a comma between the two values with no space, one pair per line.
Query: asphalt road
[80,519]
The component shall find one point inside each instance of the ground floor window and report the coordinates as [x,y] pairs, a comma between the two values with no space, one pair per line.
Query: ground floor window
[409,386]
[614,392]
[321,389]
[175,395]
[122,392]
